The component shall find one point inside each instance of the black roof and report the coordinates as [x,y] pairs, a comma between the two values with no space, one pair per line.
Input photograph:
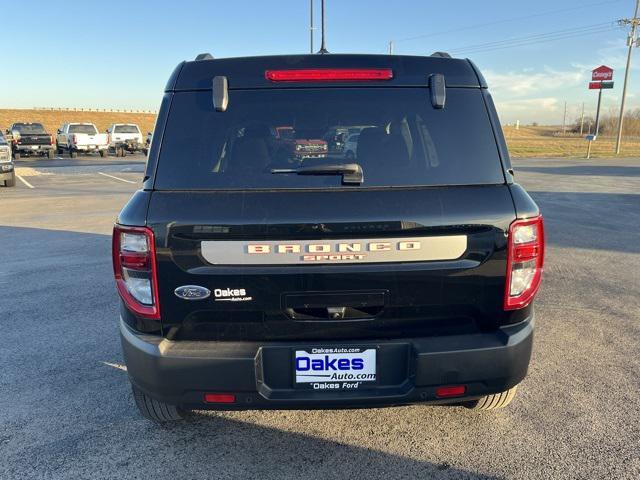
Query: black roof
[249,72]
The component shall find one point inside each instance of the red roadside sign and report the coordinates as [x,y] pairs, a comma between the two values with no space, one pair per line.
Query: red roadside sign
[602,73]
[595,85]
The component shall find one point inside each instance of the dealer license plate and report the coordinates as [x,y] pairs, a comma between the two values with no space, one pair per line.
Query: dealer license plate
[335,368]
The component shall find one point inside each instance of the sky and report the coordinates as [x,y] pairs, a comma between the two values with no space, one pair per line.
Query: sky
[119,54]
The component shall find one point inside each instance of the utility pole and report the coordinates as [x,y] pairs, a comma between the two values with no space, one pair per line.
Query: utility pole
[391,47]
[582,120]
[564,120]
[631,41]
[311,25]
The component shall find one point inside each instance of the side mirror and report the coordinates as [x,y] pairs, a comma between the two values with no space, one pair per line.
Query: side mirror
[59,131]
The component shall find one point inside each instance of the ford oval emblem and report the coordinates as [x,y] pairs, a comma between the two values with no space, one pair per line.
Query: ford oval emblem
[192,292]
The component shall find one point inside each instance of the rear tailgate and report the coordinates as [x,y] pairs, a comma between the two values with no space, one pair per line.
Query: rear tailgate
[85,139]
[35,139]
[447,287]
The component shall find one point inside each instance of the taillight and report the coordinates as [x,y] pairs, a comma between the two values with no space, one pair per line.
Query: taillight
[134,267]
[329,74]
[51,139]
[73,139]
[524,262]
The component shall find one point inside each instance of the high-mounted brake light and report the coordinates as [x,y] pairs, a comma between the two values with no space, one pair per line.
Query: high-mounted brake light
[329,75]
[135,271]
[525,259]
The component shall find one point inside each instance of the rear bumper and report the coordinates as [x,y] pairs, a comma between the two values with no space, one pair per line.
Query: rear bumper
[33,148]
[261,375]
[89,148]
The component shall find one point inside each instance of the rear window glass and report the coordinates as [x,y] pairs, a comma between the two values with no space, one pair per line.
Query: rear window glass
[394,134]
[26,128]
[126,129]
[88,129]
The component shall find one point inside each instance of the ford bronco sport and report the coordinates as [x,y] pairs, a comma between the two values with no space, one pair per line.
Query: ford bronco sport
[403,275]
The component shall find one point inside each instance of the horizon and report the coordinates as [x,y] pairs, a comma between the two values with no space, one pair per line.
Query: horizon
[534,58]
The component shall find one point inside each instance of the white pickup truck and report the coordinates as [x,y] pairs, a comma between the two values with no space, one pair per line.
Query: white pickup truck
[125,137]
[81,137]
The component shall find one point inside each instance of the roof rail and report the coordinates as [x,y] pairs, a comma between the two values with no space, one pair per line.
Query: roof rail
[204,56]
[441,54]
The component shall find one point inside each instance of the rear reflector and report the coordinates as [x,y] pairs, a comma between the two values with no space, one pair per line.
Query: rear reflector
[450,391]
[219,398]
[329,75]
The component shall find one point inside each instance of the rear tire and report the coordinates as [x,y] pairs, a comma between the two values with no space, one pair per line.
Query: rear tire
[11,182]
[155,410]
[50,153]
[102,153]
[59,150]
[73,153]
[493,402]
[16,155]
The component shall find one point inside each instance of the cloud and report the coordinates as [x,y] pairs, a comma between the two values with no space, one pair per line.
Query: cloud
[524,83]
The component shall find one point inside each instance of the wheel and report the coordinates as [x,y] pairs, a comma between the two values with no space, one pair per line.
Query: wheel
[11,182]
[154,409]
[145,152]
[58,149]
[73,153]
[492,402]
[50,153]
[103,153]
[16,155]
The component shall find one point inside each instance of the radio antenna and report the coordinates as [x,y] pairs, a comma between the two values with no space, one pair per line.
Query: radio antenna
[323,49]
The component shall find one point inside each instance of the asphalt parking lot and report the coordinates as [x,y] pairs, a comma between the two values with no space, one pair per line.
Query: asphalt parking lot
[66,410]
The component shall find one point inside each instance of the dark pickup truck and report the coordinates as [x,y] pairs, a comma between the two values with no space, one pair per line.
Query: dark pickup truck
[404,275]
[30,139]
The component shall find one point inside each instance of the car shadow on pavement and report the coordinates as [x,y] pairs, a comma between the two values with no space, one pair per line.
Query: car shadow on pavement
[68,412]
[602,221]
[245,449]
[584,170]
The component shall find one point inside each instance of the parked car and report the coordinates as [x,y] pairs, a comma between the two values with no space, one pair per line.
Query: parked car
[147,143]
[81,137]
[350,148]
[125,137]
[405,276]
[291,145]
[7,172]
[30,139]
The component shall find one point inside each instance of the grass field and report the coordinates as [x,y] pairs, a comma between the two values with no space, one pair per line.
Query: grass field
[53,119]
[542,141]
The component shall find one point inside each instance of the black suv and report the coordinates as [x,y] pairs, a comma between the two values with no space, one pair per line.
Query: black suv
[253,279]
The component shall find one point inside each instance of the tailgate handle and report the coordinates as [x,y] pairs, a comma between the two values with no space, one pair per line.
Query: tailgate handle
[334,306]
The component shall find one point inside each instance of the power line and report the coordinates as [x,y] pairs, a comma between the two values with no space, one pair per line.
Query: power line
[533,39]
[538,35]
[508,20]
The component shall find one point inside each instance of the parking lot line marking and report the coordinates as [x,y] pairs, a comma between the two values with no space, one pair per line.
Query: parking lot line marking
[117,178]
[24,181]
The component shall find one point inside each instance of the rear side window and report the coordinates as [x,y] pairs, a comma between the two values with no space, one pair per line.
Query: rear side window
[126,129]
[84,128]
[400,139]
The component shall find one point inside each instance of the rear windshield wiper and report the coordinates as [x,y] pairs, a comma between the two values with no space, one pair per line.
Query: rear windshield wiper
[351,172]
